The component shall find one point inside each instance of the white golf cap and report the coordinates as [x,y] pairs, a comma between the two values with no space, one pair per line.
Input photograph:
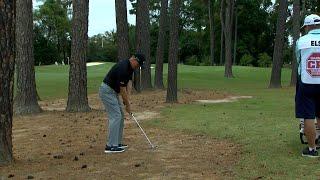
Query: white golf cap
[310,20]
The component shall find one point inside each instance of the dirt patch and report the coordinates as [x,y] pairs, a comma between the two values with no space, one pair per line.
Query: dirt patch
[60,145]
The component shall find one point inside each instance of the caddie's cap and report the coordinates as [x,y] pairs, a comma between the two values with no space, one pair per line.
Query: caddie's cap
[310,20]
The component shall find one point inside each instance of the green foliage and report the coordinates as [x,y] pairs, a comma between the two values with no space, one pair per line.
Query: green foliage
[205,61]
[256,29]
[192,60]
[45,52]
[52,29]
[246,60]
[264,60]
[154,8]
[102,47]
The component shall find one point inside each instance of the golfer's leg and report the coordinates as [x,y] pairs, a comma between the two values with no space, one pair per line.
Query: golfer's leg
[121,123]
[310,132]
[318,111]
[114,125]
[110,101]
[318,124]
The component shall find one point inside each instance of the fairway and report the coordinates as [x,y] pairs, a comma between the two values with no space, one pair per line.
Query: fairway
[259,136]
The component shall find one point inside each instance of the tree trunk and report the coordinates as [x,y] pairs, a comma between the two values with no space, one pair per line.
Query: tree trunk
[222,40]
[275,81]
[7,49]
[25,101]
[303,8]
[143,40]
[172,95]
[211,22]
[235,34]
[296,34]
[228,38]
[122,30]
[158,83]
[77,97]
[137,81]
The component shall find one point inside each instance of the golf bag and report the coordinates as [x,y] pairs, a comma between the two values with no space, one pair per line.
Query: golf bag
[303,138]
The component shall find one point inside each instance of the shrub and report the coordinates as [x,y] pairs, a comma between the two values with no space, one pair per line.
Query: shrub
[205,61]
[246,60]
[192,60]
[264,60]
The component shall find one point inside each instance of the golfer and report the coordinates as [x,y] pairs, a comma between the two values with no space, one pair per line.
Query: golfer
[115,84]
[308,85]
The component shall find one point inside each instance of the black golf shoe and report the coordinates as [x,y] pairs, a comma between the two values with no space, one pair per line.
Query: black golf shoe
[307,153]
[113,149]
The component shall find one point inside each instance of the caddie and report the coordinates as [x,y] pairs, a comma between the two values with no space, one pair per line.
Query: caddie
[308,84]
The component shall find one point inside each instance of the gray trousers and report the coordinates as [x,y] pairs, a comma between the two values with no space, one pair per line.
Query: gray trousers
[113,107]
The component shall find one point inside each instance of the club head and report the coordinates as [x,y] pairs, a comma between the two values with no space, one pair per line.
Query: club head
[153,147]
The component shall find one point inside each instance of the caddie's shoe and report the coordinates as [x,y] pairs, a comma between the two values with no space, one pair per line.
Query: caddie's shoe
[123,146]
[307,153]
[113,149]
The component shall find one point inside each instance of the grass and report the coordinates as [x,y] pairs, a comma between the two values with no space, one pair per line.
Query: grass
[52,81]
[264,126]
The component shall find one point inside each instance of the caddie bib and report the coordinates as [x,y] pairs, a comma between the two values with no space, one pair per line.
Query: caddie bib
[310,59]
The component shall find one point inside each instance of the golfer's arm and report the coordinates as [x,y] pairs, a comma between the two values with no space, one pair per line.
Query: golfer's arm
[129,87]
[124,95]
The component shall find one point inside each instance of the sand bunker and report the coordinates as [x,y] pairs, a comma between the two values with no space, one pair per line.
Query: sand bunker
[228,99]
[146,115]
[94,63]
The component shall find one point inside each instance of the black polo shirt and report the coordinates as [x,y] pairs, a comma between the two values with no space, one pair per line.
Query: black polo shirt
[119,75]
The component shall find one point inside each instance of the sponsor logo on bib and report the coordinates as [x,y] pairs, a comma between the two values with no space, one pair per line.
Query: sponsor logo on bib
[313,65]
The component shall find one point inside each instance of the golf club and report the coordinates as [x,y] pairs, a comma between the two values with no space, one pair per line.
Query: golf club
[134,118]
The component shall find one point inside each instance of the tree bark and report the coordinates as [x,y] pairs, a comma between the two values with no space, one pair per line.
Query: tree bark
[77,97]
[222,40]
[172,91]
[211,23]
[275,81]
[296,34]
[158,83]
[228,38]
[303,9]
[122,30]
[235,34]
[137,81]
[25,101]
[143,40]
[7,58]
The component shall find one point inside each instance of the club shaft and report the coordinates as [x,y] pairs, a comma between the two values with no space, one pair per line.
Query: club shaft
[145,135]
